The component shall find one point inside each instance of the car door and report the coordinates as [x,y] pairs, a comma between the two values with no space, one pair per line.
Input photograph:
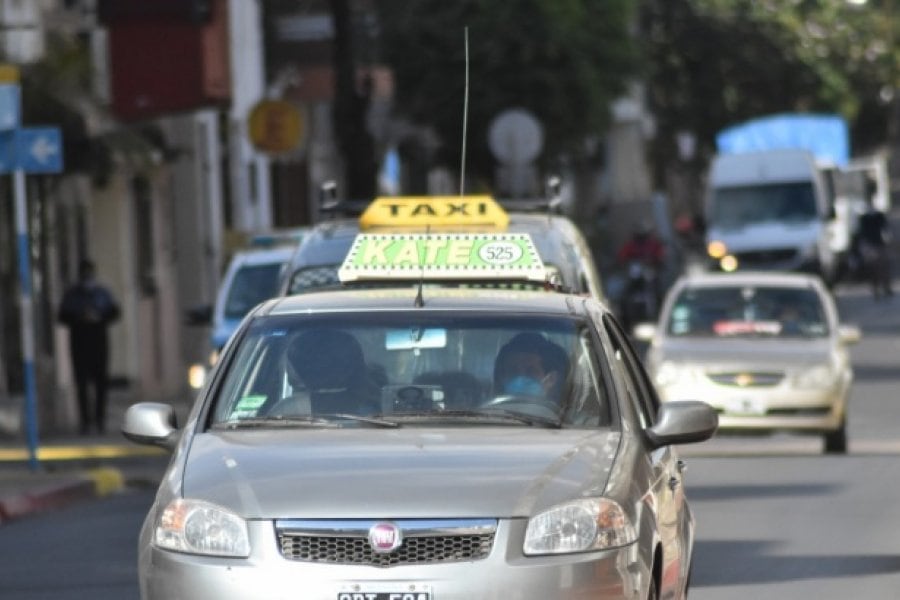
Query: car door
[673,519]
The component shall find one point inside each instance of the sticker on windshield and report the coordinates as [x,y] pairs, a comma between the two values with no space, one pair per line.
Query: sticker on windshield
[485,256]
[248,406]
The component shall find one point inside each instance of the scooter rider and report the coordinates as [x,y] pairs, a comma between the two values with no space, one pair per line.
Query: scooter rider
[642,256]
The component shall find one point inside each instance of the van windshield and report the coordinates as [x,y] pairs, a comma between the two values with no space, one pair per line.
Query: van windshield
[753,204]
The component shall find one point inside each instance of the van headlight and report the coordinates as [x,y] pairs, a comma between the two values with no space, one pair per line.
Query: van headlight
[578,526]
[197,527]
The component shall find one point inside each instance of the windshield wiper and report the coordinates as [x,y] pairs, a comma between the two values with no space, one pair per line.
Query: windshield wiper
[481,416]
[320,420]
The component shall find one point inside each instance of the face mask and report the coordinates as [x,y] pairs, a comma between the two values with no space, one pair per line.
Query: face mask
[522,385]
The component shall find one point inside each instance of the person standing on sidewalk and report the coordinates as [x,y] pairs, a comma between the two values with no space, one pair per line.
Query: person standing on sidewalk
[874,246]
[88,309]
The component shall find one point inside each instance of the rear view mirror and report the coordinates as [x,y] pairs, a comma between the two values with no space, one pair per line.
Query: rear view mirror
[415,338]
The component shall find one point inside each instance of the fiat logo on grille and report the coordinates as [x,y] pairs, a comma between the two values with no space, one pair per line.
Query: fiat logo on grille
[385,537]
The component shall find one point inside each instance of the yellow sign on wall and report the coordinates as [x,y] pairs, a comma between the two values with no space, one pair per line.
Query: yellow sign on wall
[9,73]
[275,126]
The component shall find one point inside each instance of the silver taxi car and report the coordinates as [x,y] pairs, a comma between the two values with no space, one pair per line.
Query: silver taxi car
[766,349]
[436,444]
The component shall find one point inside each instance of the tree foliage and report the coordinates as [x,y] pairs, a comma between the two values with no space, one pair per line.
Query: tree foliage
[563,60]
[714,63]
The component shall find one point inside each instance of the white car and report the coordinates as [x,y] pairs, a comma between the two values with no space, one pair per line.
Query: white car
[766,350]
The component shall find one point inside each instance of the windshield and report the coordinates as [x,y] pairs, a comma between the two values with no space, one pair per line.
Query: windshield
[747,312]
[252,284]
[415,369]
[755,204]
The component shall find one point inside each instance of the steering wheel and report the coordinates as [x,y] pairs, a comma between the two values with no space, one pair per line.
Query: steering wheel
[545,405]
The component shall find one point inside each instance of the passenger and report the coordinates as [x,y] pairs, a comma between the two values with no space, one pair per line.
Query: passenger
[333,368]
[530,365]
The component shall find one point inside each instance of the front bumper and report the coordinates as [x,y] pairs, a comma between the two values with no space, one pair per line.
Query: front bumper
[769,409]
[505,574]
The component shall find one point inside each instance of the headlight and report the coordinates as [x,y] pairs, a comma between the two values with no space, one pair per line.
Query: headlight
[198,527]
[716,249]
[817,377]
[589,524]
[669,373]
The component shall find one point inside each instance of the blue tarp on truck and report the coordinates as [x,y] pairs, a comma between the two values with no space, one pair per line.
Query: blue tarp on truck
[826,136]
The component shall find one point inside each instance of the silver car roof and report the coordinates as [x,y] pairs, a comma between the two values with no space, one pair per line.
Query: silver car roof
[435,299]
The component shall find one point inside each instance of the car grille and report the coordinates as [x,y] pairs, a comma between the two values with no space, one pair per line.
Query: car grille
[766,258]
[747,379]
[347,543]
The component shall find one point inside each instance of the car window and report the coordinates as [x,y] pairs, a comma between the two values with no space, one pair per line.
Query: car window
[251,285]
[314,278]
[403,365]
[732,311]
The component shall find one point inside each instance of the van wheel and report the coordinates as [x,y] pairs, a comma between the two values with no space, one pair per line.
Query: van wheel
[836,441]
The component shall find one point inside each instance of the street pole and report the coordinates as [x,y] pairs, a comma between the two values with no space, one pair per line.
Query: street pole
[27,311]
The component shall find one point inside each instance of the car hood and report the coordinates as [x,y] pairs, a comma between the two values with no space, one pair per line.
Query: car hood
[400,473]
[777,353]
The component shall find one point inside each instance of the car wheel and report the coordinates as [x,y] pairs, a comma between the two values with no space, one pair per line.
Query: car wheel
[836,441]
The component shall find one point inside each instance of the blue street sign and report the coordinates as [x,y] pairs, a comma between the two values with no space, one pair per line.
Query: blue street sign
[39,149]
[10,113]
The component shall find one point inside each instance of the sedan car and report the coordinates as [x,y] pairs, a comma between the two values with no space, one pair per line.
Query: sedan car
[767,350]
[442,444]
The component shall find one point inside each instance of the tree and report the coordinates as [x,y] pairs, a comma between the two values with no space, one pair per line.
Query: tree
[563,60]
[713,63]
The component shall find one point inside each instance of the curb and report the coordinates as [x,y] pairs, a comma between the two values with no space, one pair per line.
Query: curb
[53,495]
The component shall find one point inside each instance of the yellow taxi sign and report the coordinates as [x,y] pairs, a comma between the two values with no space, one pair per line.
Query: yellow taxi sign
[430,257]
[434,211]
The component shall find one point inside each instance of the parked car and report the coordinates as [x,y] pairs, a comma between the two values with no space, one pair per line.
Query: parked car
[252,276]
[425,443]
[767,350]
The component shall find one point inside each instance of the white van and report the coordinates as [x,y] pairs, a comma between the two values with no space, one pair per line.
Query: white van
[770,210]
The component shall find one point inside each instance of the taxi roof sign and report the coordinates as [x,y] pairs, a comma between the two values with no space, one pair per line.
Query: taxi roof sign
[447,256]
[434,211]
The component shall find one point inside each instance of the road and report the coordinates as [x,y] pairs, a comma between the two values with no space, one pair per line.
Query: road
[776,518]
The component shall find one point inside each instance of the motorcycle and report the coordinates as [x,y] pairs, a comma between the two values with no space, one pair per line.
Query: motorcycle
[640,300]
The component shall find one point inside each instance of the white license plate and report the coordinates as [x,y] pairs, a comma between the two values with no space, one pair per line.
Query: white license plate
[746,406]
[364,592]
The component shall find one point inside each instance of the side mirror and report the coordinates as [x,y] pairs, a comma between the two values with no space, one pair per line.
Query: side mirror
[849,334]
[683,422]
[151,423]
[199,315]
[644,332]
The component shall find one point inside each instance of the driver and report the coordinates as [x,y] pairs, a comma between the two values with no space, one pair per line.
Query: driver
[530,365]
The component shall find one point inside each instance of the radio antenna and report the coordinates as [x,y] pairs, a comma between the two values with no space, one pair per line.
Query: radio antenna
[462,170]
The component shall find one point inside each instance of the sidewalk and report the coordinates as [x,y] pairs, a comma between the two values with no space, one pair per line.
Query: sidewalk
[74,468]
